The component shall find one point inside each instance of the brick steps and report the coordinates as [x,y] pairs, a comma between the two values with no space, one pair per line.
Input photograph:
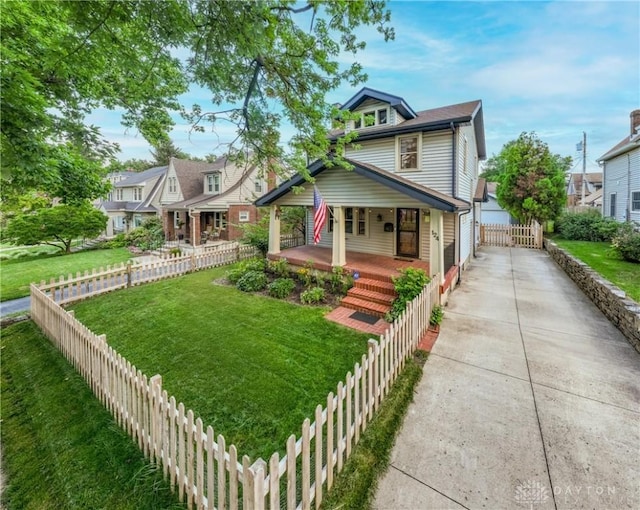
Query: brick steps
[370,295]
[363,305]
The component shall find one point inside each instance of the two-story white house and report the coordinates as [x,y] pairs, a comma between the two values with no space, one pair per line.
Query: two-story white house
[621,176]
[410,193]
[209,201]
[133,198]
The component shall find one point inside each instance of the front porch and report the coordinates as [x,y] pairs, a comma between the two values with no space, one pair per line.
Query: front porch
[367,265]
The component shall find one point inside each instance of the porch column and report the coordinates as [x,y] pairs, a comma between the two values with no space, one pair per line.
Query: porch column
[274,230]
[196,231]
[436,256]
[339,251]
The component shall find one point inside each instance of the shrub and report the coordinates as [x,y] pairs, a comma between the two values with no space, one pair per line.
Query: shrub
[119,241]
[340,280]
[312,296]
[319,278]
[587,226]
[257,234]
[245,266]
[281,288]
[627,243]
[408,285]
[305,275]
[278,267]
[252,281]
[174,252]
[437,315]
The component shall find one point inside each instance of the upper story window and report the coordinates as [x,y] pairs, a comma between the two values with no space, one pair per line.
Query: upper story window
[408,149]
[258,186]
[635,201]
[137,194]
[172,185]
[119,193]
[372,118]
[213,183]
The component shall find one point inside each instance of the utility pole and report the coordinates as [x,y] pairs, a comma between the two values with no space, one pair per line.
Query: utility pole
[584,164]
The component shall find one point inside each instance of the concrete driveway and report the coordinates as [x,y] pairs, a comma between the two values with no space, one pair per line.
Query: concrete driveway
[529,399]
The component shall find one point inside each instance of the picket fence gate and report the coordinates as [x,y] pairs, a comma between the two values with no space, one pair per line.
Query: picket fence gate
[207,473]
[523,236]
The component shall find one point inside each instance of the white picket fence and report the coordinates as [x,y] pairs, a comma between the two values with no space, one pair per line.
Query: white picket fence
[70,289]
[205,471]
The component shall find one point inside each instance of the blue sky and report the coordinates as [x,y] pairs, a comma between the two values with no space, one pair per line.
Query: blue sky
[557,68]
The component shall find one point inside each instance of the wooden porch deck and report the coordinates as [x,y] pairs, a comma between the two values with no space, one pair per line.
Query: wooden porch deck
[375,267]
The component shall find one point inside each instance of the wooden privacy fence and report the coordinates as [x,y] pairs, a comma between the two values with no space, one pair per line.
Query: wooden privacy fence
[99,281]
[523,236]
[205,471]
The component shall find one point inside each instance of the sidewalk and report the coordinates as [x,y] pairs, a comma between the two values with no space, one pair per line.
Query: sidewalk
[530,399]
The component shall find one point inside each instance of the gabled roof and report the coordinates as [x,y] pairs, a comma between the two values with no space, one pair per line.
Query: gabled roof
[434,119]
[421,193]
[395,101]
[138,178]
[128,206]
[205,198]
[625,145]
[481,194]
[189,174]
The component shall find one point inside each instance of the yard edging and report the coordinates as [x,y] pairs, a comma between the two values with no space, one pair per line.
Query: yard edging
[613,302]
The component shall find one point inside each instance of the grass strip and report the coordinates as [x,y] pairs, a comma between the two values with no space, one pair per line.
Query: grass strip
[18,274]
[355,487]
[61,448]
[599,256]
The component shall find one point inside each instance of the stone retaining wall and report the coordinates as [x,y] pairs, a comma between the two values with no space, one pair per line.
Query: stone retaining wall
[613,302]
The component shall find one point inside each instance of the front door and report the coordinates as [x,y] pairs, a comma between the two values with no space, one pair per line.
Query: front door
[407,232]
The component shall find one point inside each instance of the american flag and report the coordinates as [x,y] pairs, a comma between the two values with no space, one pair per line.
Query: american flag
[319,214]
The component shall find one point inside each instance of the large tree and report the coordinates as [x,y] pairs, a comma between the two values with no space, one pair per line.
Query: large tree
[263,62]
[57,226]
[532,184]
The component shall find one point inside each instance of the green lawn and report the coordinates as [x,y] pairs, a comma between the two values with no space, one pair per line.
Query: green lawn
[16,275]
[598,256]
[61,447]
[252,367]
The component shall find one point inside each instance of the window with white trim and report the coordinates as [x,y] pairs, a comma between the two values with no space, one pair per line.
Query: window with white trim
[176,219]
[370,118]
[220,220]
[137,194]
[213,183]
[243,216]
[635,201]
[356,221]
[119,194]
[408,150]
[258,186]
[172,185]
[612,205]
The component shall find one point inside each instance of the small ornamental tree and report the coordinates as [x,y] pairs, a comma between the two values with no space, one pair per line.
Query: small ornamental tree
[532,182]
[56,226]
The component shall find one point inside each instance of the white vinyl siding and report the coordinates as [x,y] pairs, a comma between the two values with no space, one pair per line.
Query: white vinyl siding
[466,226]
[171,190]
[467,155]
[237,187]
[380,153]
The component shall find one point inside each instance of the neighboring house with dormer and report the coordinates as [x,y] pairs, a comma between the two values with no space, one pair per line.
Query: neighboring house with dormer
[412,190]
[208,201]
[621,176]
[592,184]
[134,197]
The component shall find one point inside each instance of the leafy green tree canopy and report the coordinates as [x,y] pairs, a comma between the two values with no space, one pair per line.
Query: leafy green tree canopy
[57,226]
[262,61]
[532,182]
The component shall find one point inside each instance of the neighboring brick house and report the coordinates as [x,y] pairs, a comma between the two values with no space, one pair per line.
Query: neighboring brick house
[621,171]
[413,188]
[209,201]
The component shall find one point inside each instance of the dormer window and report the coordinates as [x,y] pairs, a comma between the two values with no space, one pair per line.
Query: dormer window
[213,183]
[119,194]
[372,118]
[137,194]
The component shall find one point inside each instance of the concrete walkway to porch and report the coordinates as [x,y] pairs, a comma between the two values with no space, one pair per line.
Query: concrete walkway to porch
[529,399]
